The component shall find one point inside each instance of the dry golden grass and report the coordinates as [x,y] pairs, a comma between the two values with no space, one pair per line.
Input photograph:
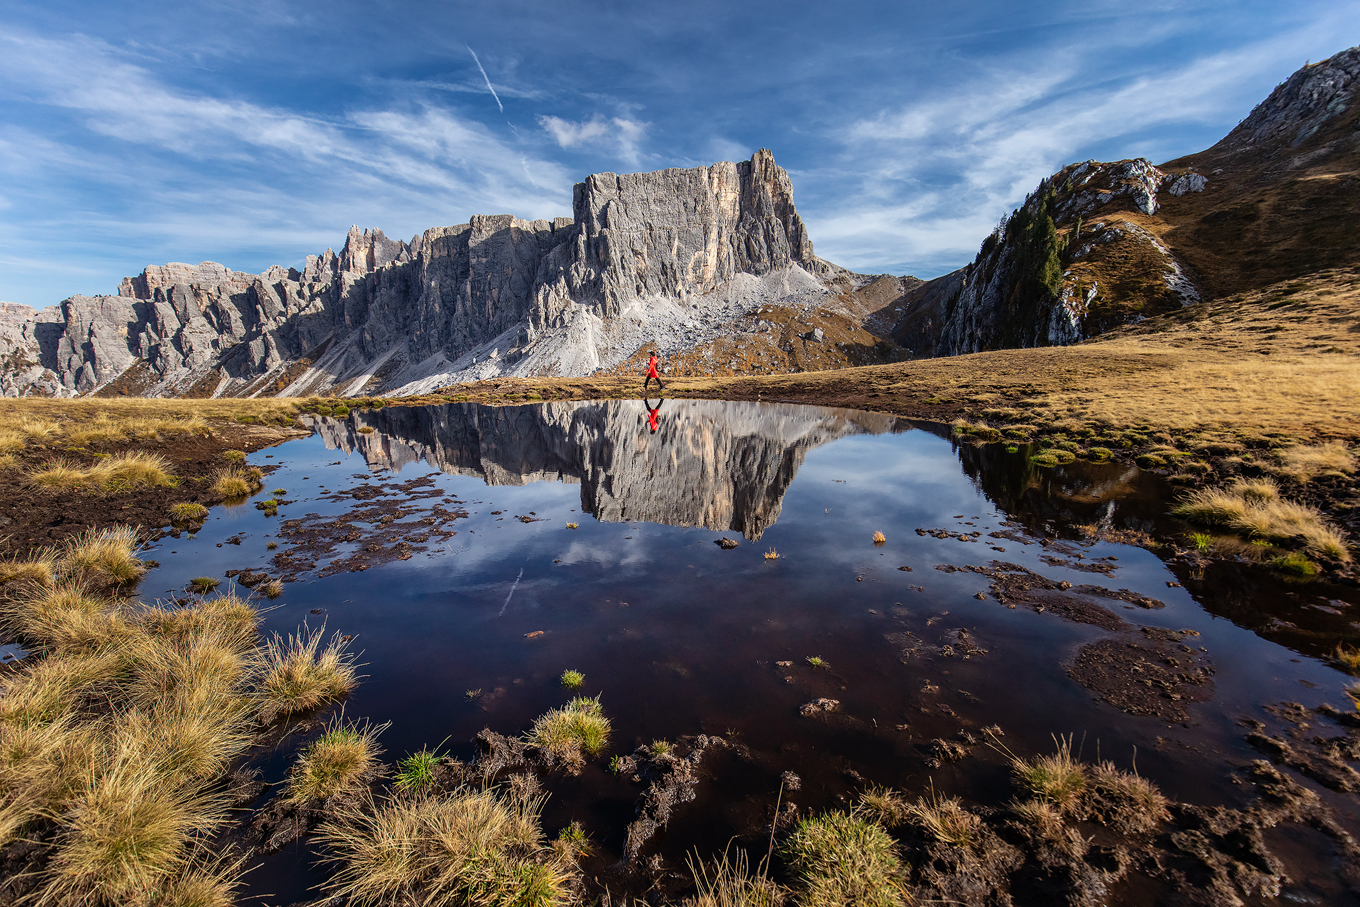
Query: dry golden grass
[842,860]
[224,618]
[78,422]
[1253,509]
[38,568]
[300,675]
[1126,801]
[120,472]
[884,806]
[68,615]
[469,847]
[116,733]
[946,820]
[125,834]
[188,512]
[1303,463]
[729,882]
[571,733]
[1348,657]
[341,763]
[1039,815]
[1059,779]
[230,484]
[103,555]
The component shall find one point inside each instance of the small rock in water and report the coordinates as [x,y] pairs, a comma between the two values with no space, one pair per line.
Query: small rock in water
[818,706]
[726,544]
[534,635]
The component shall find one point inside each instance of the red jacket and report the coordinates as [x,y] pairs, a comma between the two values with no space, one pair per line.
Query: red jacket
[651,367]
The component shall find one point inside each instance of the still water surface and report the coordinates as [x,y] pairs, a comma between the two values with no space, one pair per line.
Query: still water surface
[681,637]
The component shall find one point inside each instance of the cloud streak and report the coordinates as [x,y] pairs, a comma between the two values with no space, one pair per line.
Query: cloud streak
[190,176]
[945,168]
[486,77]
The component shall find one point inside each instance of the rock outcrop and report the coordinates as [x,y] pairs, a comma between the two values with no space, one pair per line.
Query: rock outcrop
[496,295]
[1098,245]
[1080,256]
[724,466]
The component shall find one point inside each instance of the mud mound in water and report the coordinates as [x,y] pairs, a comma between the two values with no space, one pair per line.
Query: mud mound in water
[1154,677]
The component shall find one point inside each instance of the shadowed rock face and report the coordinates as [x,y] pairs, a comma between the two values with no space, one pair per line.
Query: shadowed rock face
[723,466]
[383,313]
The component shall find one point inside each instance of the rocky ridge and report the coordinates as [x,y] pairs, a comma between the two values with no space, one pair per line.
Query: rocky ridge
[1099,245]
[668,258]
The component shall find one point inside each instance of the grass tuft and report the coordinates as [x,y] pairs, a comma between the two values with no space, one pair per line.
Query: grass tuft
[1304,463]
[841,860]
[1254,509]
[879,538]
[103,555]
[1347,657]
[188,512]
[946,820]
[1040,815]
[231,484]
[203,584]
[725,882]
[67,616]
[1058,779]
[572,680]
[341,763]
[884,806]
[120,472]
[771,555]
[416,772]
[572,732]
[816,661]
[300,675]
[38,569]
[470,847]
[1126,801]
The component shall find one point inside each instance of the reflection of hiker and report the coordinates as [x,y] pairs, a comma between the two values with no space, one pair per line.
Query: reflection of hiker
[652,411]
[652,373]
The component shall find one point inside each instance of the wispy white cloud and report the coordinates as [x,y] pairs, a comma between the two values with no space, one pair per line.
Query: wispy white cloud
[945,168]
[220,177]
[620,135]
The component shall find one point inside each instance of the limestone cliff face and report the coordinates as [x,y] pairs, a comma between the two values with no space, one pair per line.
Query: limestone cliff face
[723,466]
[490,296]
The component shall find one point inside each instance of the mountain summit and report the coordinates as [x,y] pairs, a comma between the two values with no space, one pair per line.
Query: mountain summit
[669,257]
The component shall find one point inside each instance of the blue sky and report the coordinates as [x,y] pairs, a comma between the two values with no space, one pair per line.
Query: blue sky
[254,132]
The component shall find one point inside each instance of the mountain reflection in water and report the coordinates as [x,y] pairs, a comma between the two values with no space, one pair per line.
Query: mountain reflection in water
[722,466]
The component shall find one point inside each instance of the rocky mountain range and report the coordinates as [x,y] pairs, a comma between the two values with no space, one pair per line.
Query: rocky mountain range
[668,258]
[714,267]
[723,466]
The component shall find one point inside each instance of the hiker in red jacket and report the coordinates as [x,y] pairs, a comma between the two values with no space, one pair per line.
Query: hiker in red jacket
[652,373]
[652,411]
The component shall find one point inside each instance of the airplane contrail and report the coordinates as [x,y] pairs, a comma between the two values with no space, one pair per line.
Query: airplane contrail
[513,587]
[488,78]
